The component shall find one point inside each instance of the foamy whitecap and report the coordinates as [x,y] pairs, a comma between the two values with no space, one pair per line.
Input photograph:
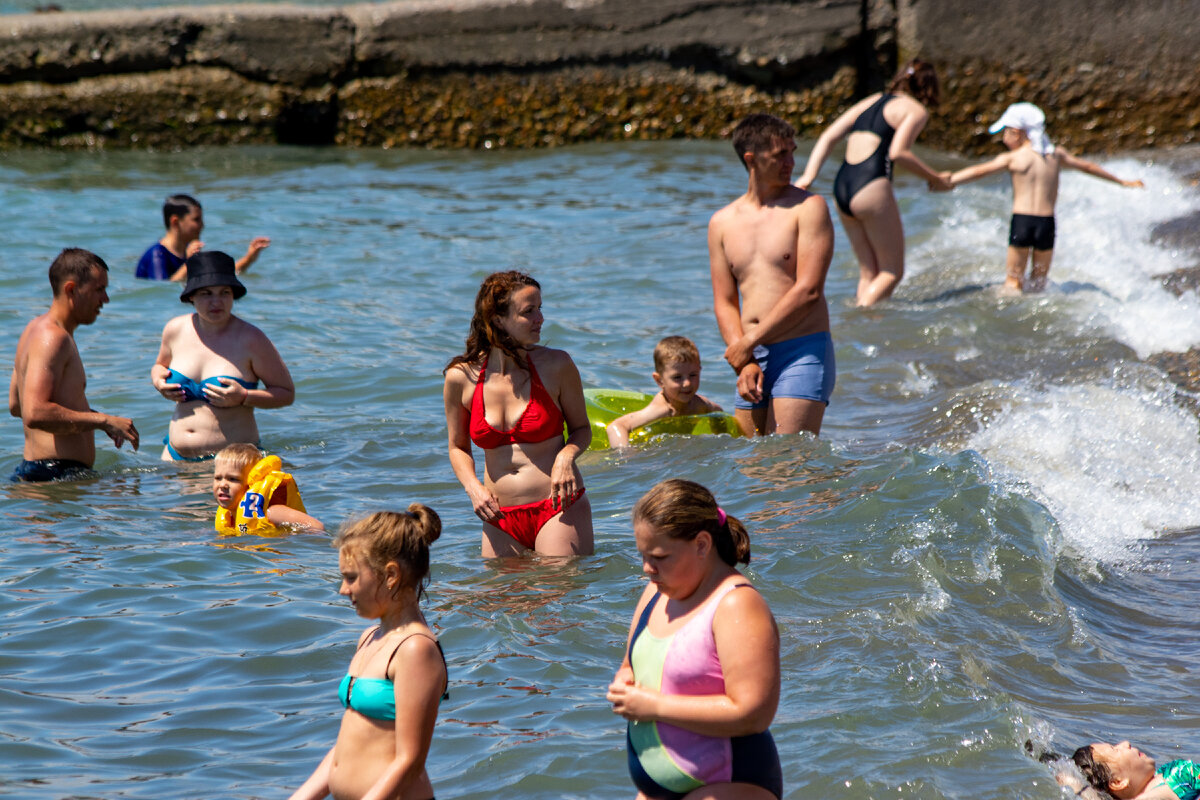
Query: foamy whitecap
[1105,266]
[1115,465]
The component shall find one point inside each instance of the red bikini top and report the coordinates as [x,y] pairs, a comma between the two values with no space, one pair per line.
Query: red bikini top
[541,419]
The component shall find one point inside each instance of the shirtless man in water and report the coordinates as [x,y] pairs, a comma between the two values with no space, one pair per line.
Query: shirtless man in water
[47,388]
[772,247]
[1035,165]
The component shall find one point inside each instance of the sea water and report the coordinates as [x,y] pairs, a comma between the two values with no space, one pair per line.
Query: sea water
[995,537]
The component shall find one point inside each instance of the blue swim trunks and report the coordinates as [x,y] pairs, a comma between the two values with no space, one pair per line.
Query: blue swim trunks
[802,368]
[52,469]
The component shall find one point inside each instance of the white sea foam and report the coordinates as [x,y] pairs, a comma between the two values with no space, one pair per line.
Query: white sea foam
[1114,464]
[1105,242]
[1104,265]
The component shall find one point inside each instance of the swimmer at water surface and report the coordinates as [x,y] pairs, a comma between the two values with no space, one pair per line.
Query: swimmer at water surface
[184,220]
[677,373]
[1126,773]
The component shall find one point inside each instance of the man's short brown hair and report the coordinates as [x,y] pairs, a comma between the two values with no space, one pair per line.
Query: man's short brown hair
[74,264]
[757,133]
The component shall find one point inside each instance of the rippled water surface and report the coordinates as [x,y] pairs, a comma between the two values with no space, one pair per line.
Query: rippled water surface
[995,537]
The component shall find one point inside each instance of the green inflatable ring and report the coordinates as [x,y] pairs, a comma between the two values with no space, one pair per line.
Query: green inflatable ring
[605,405]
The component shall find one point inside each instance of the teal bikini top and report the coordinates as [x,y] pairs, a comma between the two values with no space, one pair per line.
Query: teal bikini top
[194,390]
[376,697]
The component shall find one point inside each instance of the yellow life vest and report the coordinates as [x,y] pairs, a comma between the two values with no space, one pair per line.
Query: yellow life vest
[250,515]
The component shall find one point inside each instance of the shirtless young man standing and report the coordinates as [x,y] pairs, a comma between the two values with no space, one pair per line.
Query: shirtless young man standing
[772,246]
[47,388]
[1034,164]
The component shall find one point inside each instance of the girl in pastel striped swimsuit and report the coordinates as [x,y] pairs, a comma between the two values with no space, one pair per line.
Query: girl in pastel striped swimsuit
[700,680]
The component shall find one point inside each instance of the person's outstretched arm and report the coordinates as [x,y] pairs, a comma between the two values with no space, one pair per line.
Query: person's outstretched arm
[257,245]
[828,138]
[902,143]
[619,429]
[974,173]
[1094,169]
[281,514]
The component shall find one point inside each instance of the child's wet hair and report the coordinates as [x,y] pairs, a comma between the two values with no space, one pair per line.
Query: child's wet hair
[242,456]
[400,536]
[682,509]
[1096,773]
[675,350]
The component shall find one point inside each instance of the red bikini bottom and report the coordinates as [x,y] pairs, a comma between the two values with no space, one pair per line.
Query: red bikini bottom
[525,522]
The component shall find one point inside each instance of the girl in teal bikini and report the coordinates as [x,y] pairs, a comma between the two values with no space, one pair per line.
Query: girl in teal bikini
[397,677]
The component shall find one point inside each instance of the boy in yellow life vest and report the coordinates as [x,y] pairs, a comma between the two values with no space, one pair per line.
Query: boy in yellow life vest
[255,495]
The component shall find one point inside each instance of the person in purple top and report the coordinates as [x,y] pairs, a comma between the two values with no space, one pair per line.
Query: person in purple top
[184,220]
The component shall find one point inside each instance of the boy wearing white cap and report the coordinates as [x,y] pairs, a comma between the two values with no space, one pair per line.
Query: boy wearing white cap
[1034,164]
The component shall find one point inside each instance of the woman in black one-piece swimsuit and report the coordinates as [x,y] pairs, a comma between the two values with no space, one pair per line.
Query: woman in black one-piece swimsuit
[879,130]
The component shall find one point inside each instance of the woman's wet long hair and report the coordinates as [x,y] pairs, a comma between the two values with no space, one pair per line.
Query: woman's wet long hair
[492,301]
[919,79]
[682,509]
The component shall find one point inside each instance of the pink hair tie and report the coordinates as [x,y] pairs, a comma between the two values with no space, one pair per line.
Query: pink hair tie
[720,516]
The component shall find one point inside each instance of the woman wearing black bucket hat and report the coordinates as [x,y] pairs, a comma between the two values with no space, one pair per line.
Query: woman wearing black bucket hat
[211,363]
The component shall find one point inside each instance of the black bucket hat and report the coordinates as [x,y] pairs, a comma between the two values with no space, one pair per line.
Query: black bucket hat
[211,268]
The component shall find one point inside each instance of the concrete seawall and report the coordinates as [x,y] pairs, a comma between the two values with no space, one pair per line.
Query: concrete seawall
[497,73]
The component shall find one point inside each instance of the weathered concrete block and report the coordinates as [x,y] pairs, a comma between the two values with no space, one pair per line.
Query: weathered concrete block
[60,47]
[766,37]
[287,44]
[576,104]
[1110,73]
[184,107]
[297,45]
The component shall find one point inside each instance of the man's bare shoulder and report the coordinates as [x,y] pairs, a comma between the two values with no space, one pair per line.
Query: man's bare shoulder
[811,209]
[723,215]
[45,344]
[811,202]
[801,201]
[44,334]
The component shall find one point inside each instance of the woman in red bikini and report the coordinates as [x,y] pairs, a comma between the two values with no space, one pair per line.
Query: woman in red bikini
[512,398]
